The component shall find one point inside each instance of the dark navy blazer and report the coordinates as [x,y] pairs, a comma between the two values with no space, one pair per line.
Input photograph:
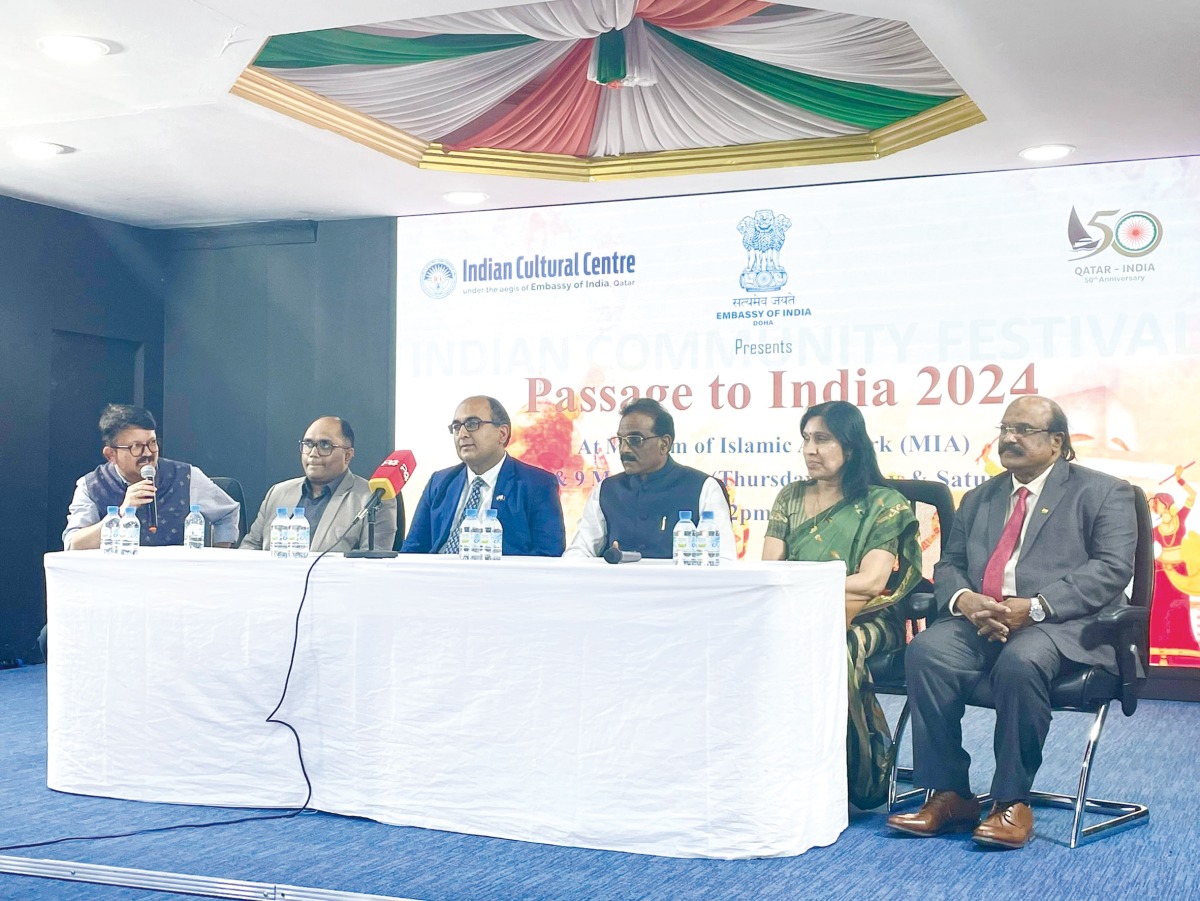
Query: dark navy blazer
[526,498]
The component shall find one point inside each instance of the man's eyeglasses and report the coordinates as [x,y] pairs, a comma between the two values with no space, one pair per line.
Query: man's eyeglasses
[1019,431]
[471,424]
[634,441]
[324,447]
[138,447]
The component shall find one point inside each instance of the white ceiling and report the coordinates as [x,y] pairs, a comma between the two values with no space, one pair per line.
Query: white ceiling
[161,142]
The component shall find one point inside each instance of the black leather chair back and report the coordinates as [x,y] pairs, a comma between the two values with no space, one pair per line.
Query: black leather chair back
[887,669]
[233,488]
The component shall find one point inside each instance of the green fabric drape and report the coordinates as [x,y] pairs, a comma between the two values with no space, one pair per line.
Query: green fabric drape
[610,57]
[335,46]
[855,104]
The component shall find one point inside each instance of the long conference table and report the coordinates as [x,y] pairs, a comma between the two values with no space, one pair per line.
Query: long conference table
[689,712]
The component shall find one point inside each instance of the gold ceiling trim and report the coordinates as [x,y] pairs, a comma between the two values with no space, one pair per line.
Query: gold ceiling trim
[261,87]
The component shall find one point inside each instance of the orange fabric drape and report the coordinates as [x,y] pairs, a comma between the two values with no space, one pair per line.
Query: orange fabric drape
[558,117]
[693,14]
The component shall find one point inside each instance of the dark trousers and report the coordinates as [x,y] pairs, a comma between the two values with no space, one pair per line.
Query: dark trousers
[942,665]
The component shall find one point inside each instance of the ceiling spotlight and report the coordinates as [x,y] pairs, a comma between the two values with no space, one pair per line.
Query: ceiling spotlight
[39,150]
[1046,152]
[464,198]
[72,48]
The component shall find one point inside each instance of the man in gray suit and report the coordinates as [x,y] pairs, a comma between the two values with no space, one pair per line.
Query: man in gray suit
[1032,559]
[329,492]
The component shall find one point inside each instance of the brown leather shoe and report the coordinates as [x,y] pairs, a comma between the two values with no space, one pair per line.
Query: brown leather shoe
[1007,826]
[945,812]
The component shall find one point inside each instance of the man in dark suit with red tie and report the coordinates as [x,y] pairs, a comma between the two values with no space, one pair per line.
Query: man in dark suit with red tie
[1033,558]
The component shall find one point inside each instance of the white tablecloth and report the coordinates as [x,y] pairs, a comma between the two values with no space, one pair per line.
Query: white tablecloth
[645,707]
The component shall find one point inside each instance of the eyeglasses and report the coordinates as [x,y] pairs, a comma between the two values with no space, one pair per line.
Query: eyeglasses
[138,447]
[471,424]
[324,447]
[1019,431]
[634,441]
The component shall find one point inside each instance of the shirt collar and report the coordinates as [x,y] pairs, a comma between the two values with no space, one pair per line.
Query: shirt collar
[490,476]
[1034,485]
[306,490]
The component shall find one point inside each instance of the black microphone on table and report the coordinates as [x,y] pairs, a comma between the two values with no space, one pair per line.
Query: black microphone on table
[392,475]
[615,555]
[147,473]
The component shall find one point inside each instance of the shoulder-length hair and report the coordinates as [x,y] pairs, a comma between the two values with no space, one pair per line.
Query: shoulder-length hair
[845,422]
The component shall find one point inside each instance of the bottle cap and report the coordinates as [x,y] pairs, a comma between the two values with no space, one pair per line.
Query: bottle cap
[706,515]
[685,514]
[114,511]
[493,514]
[281,511]
[299,511]
[470,513]
[195,508]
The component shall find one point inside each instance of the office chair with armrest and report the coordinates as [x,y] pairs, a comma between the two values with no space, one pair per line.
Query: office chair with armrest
[1094,689]
[887,669]
[233,488]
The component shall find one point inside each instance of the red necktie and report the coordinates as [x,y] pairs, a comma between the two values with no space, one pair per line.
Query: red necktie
[993,573]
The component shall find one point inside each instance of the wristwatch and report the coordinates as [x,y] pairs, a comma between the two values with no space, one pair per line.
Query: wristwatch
[1037,612]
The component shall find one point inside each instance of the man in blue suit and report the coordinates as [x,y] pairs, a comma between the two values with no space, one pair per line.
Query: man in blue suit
[525,496]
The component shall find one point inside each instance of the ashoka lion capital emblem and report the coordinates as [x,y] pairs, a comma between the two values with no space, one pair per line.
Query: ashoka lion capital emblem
[763,235]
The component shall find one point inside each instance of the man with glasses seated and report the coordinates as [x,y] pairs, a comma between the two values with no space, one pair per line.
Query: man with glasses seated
[637,510]
[525,497]
[329,492]
[130,445]
[1034,558]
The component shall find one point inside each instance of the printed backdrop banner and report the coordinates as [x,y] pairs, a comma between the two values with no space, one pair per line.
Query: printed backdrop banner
[930,303]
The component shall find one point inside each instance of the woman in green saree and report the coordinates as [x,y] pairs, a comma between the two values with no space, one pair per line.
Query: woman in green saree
[845,512]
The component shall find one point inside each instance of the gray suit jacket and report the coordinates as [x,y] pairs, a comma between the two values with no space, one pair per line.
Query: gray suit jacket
[1077,552]
[351,496]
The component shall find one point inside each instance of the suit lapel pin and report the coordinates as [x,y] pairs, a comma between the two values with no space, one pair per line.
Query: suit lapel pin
[499,497]
[1046,510]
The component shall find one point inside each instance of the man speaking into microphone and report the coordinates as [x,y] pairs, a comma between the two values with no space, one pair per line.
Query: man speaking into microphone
[162,496]
[330,494]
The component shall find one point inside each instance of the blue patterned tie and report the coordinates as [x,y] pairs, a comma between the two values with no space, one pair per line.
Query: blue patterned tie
[451,546]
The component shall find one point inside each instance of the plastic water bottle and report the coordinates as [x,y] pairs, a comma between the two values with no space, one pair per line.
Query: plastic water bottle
[193,528]
[280,534]
[683,539]
[470,536]
[299,545]
[709,540]
[130,532]
[493,536]
[110,532]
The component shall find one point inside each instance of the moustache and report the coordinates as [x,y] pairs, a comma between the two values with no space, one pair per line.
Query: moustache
[1012,448]
[628,458]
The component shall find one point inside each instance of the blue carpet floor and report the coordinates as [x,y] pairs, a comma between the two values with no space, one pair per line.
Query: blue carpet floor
[1151,757]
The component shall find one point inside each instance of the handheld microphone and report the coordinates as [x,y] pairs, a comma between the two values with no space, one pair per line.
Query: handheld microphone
[615,555]
[147,473]
[392,475]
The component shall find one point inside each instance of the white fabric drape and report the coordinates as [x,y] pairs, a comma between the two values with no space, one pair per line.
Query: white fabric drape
[859,49]
[431,100]
[693,106]
[557,21]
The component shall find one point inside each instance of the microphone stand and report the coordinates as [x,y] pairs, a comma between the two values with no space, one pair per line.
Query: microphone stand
[370,552]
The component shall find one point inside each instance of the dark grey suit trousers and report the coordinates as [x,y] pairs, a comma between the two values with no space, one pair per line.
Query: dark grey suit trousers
[942,666]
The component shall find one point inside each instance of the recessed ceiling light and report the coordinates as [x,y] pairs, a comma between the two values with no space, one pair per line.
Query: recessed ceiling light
[73,48]
[38,150]
[464,198]
[1045,152]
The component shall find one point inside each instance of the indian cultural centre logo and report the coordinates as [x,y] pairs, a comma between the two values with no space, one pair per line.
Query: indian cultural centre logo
[438,279]
[763,235]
